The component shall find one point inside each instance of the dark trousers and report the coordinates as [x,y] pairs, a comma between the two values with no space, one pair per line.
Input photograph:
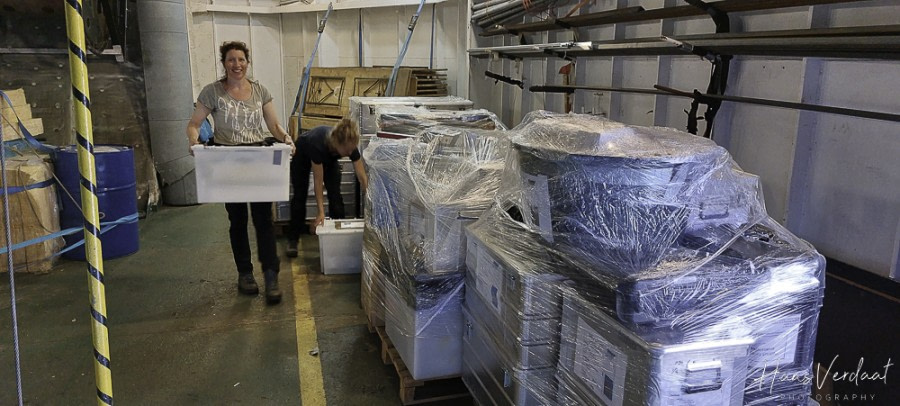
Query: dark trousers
[265,236]
[301,167]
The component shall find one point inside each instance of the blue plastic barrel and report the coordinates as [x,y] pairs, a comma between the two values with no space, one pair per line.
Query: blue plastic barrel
[116,195]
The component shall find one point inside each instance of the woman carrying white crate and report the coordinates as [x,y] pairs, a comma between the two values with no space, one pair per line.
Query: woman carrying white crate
[319,151]
[239,106]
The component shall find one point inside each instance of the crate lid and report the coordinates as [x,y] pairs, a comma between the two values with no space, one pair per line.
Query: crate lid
[349,226]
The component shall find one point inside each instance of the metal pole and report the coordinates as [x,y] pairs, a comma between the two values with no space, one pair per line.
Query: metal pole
[497,8]
[360,40]
[9,259]
[488,3]
[431,51]
[411,27]
[300,102]
[93,252]
[573,88]
[875,115]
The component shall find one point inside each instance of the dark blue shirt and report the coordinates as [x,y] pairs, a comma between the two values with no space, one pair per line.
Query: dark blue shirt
[314,144]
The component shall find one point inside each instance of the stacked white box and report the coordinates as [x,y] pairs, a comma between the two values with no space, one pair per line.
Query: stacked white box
[513,312]
[362,109]
[423,192]
[605,362]
[683,290]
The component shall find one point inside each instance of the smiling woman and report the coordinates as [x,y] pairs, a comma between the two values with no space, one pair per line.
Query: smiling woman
[239,106]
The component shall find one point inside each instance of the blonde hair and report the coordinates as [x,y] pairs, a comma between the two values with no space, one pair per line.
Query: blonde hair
[344,133]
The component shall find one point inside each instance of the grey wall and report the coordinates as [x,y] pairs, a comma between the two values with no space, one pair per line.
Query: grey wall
[118,108]
[833,180]
[166,60]
[281,44]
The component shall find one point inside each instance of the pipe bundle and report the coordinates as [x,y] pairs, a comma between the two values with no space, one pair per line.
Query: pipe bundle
[496,12]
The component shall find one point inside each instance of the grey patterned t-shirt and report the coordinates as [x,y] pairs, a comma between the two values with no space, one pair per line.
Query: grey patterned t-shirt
[236,121]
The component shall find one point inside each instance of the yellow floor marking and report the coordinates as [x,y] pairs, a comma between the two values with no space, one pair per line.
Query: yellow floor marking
[312,388]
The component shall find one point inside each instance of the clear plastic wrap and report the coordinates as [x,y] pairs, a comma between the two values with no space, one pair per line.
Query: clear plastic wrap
[512,313]
[362,109]
[422,192]
[408,121]
[623,265]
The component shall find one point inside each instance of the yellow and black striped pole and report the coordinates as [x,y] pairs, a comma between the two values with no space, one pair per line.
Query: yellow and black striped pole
[85,139]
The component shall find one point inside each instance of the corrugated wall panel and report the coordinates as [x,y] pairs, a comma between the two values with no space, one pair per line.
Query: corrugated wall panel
[834,180]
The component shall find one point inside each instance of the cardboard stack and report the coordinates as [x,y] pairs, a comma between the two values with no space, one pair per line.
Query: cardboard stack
[21,108]
[34,213]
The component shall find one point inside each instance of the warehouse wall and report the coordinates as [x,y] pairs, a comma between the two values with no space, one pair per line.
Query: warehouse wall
[281,44]
[833,180]
[34,57]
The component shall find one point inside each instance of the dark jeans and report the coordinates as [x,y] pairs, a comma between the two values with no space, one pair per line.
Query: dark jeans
[265,236]
[301,167]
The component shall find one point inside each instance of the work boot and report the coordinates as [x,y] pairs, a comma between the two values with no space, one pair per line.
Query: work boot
[291,248]
[247,285]
[273,294]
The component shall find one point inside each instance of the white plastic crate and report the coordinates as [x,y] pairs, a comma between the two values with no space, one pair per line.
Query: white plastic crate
[429,340]
[340,246]
[242,174]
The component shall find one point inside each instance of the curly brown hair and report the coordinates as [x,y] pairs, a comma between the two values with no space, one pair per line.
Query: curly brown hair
[344,133]
[230,46]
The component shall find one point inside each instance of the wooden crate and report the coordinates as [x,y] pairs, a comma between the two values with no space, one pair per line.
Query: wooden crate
[426,82]
[330,89]
[308,123]
[413,391]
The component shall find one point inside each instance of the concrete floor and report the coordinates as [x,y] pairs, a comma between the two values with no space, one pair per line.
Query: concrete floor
[181,334]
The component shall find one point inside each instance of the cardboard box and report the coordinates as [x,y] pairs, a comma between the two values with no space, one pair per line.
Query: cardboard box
[17,97]
[11,130]
[20,108]
[34,214]
[10,113]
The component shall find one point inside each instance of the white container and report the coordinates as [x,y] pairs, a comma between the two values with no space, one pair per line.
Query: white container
[242,174]
[340,246]
[429,340]
[608,363]
[362,109]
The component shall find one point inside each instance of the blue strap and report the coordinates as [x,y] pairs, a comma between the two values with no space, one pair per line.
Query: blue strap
[18,189]
[25,133]
[104,227]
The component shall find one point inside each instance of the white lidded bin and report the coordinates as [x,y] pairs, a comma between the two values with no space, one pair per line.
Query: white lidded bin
[429,340]
[340,246]
[242,173]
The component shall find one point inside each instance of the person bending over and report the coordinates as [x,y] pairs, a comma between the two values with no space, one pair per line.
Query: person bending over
[319,150]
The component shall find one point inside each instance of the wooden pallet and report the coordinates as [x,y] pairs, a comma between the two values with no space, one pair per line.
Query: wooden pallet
[428,82]
[372,320]
[413,391]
